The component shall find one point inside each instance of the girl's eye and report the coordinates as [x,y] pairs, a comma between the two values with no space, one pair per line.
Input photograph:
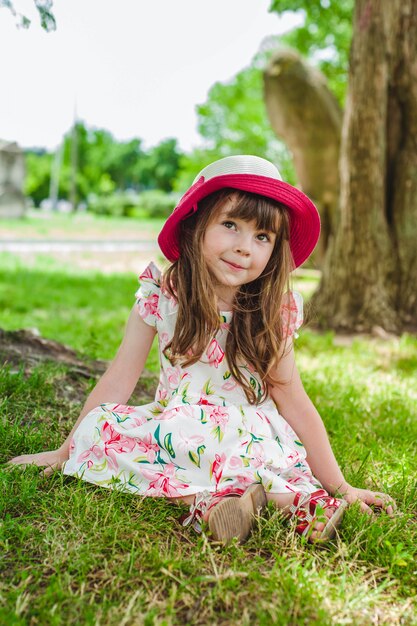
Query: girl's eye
[229,224]
[264,237]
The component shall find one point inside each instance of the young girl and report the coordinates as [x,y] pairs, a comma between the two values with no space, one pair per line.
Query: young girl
[231,425]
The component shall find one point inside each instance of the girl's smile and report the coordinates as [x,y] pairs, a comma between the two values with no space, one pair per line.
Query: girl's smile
[234,266]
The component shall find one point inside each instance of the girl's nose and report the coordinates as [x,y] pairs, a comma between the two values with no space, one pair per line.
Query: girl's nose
[242,247]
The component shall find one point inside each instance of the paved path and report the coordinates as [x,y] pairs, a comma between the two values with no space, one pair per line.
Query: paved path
[76,245]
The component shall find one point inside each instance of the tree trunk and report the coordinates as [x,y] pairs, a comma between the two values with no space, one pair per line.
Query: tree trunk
[370,271]
[306,115]
[402,157]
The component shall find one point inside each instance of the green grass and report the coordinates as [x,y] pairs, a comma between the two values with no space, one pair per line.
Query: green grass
[85,310]
[72,553]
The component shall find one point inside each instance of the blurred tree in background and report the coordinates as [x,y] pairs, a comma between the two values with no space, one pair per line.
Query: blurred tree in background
[324,37]
[233,120]
[104,166]
[38,174]
[158,168]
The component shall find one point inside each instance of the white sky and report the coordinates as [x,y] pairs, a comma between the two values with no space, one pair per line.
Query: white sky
[135,67]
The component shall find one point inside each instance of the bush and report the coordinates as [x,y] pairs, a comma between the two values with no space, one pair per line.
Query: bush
[156,203]
[118,204]
[147,204]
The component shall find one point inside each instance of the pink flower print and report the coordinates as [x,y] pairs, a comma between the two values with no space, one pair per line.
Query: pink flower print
[168,414]
[289,315]
[95,451]
[163,482]
[263,417]
[115,443]
[257,450]
[214,353]
[246,479]
[149,306]
[173,376]
[257,458]
[293,458]
[204,400]
[218,415]
[189,442]
[146,446]
[138,421]
[217,466]
[161,394]
[163,338]
[123,409]
[256,461]
[235,462]
[230,489]
[148,274]
[230,384]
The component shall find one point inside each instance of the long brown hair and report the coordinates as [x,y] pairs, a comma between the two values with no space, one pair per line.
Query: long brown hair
[256,334]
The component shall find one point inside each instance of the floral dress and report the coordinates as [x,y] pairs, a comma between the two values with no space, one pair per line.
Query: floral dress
[200,433]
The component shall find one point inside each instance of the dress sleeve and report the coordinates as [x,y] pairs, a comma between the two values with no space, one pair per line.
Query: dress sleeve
[291,313]
[147,296]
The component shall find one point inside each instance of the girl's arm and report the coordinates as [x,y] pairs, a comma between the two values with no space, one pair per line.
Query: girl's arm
[116,385]
[296,407]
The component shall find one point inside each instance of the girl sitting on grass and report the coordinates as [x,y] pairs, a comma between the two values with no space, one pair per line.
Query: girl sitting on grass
[231,425]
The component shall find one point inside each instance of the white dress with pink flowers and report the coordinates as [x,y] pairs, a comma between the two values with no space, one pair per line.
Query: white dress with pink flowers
[200,433]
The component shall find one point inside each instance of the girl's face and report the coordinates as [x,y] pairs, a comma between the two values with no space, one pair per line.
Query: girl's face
[236,251]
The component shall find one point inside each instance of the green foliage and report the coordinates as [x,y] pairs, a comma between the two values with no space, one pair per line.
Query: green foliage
[324,38]
[103,166]
[233,119]
[38,175]
[155,203]
[118,204]
[47,18]
[151,203]
[44,8]
[102,162]
[160,166]
[189,166]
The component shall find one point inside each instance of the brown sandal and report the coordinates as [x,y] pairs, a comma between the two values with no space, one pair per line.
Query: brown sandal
[232,512]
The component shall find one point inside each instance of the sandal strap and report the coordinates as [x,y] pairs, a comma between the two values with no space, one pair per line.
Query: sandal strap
[206,500]
[304,508]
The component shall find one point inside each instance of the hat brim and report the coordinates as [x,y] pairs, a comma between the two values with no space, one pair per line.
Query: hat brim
[304,217]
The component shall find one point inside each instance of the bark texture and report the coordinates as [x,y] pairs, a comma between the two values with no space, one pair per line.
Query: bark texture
[306,115]
[370,270]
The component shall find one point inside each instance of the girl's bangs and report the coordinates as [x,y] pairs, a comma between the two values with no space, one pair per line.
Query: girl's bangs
[265,212]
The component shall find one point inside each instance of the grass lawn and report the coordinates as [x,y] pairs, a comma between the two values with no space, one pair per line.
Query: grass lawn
[72,553]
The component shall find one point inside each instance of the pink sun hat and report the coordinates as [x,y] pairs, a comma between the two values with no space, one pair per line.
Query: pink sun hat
[256,175]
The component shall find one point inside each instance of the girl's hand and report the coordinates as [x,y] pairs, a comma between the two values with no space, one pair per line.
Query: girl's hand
[52,460]
[369,498]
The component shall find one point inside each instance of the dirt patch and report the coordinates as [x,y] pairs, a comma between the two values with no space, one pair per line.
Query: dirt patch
[24,350]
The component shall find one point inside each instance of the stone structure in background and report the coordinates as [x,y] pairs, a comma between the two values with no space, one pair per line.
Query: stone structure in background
[12,175]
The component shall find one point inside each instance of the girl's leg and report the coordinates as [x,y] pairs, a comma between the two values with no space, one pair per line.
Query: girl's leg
[188,500]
